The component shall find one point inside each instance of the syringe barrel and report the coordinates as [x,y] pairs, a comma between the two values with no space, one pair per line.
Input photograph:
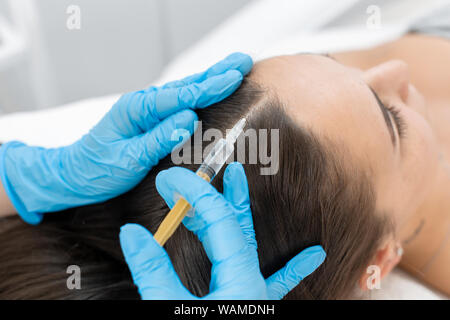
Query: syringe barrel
[207,171]
[216,158]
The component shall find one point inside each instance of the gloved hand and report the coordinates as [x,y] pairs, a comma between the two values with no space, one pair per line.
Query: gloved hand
[223,223]
[120,150]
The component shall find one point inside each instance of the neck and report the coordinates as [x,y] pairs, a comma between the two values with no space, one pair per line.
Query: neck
[438,200]
[424,232]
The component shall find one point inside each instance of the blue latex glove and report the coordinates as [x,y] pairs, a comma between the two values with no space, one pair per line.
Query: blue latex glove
[120,150]
[224,225]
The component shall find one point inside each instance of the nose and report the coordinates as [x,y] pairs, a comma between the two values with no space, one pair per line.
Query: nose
[390,79]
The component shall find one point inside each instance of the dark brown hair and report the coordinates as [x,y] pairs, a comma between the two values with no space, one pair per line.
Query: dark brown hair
[315,198]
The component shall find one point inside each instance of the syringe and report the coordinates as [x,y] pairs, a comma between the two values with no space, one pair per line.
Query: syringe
[207,171]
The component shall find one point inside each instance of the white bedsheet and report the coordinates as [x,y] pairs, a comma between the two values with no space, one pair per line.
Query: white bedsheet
[56,126]
[399,285]
[263,28]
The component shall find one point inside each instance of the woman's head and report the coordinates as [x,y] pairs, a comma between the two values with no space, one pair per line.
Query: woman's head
[376,119]
[338,167]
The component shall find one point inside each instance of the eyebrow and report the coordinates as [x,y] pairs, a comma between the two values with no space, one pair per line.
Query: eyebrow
[387,118]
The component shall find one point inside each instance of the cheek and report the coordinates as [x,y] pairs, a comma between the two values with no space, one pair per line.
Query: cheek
[416,102]
[420,157]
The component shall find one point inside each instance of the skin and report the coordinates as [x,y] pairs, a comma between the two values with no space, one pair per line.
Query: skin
[427,249]
[6,207]
[410,177]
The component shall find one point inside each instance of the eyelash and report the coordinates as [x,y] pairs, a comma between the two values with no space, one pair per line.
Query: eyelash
[399,121]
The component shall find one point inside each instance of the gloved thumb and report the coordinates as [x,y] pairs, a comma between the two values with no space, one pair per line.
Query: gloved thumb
[150,266]
[154,145]
[287,278]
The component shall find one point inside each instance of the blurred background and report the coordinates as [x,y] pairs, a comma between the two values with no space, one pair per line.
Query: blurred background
[120,46]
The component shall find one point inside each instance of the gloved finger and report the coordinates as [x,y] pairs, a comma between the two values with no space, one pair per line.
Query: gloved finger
[214,221]
[154,145]
[138,112]
[197,94]
[235,190]
[235,61]
[287,278]
[150,266]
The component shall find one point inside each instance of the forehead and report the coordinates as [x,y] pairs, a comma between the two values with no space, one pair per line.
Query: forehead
[331,100]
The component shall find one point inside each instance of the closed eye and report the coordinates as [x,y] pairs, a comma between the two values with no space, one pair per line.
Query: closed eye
[400,123]
[388,119]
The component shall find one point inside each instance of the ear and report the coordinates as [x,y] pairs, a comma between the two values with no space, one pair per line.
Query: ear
[386,258]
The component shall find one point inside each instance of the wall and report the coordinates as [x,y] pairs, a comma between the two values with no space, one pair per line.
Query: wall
[122,45]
